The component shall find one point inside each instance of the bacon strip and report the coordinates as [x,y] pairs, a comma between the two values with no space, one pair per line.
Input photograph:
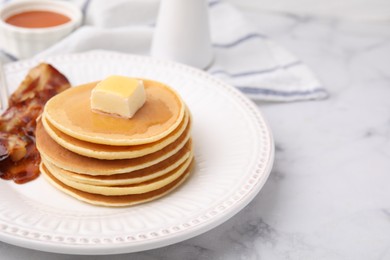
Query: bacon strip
[19,158]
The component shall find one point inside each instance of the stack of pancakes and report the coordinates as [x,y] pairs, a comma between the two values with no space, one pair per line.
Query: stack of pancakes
[106,160]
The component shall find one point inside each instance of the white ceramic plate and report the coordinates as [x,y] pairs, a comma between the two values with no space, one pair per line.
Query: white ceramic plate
[233,150]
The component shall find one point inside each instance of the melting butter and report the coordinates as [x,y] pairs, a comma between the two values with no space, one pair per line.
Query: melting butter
[118,95]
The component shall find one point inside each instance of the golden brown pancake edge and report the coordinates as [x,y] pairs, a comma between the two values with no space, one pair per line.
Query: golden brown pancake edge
[63,109]
[137,188]
[107,152]
[73,162]
[115,201]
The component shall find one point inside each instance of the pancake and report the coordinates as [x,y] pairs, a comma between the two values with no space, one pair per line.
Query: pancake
[114,201]
[108,152]
[65,159]
[107,160]
[137,188]
[137,176]
[161,114]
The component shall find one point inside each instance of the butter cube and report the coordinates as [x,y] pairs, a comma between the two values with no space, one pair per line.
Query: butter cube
[118,95]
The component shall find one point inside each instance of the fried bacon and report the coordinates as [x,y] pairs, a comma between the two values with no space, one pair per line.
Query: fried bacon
[19,158]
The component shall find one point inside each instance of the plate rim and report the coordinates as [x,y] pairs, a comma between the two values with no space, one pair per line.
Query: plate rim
[8,234]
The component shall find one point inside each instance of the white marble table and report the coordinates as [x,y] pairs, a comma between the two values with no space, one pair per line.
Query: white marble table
[328,196]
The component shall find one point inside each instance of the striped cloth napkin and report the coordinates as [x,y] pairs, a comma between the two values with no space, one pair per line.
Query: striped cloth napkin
[245,58]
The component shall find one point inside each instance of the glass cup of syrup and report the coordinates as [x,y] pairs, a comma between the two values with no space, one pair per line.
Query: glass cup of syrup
[28,27]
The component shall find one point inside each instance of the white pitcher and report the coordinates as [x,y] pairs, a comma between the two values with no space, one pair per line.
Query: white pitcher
[183,33]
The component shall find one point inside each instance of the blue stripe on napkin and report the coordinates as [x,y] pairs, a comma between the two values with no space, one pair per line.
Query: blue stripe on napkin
[265,91]
[255,72]
[213,3]
[8,56]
